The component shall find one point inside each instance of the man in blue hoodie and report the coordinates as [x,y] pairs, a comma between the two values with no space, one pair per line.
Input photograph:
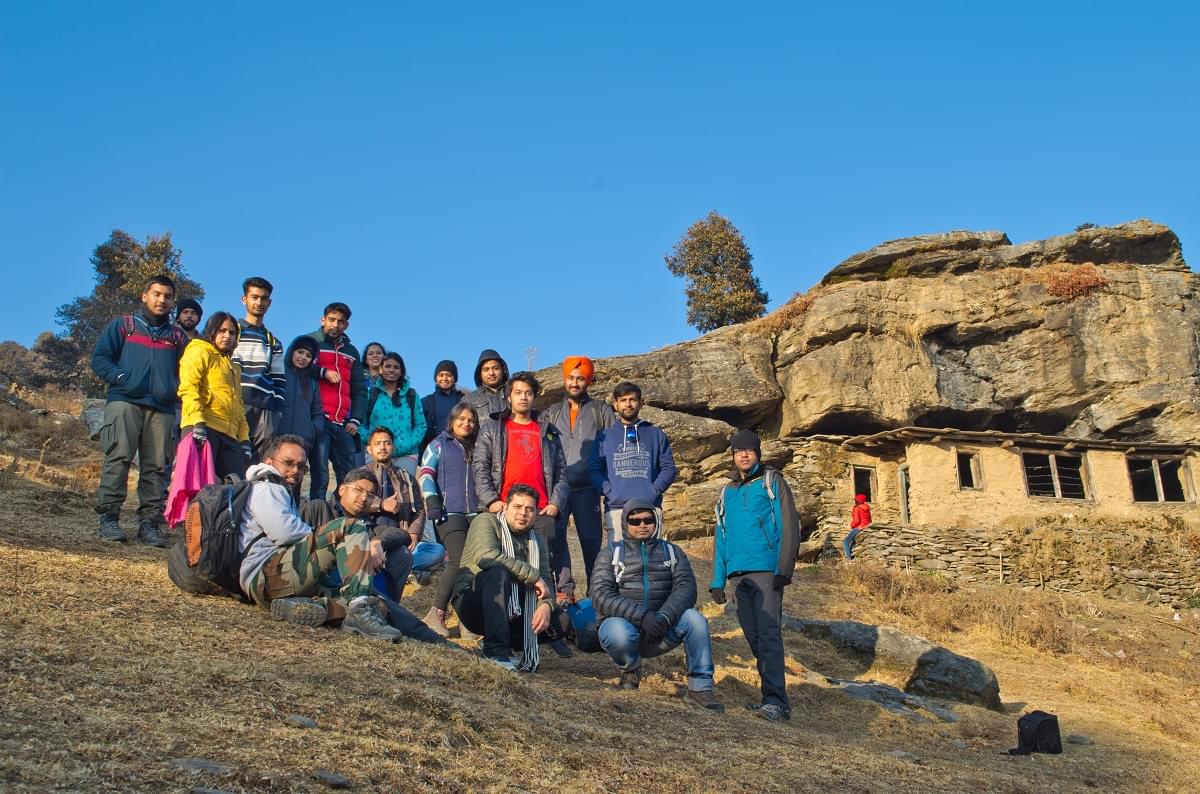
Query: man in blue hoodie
[137,355]
[631,459]
[757,536]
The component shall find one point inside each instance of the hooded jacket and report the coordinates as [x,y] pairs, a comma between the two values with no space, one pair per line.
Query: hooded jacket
[407,426]
[488,403]
[210,388]
[138,355]
[303,415]
[578,441]
[758,528]
[491,449]
[623,469]
[656,576]
[437,407]
[272,521]
[348,399]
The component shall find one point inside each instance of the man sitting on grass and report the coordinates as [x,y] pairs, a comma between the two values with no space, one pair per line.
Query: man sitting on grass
[645,598]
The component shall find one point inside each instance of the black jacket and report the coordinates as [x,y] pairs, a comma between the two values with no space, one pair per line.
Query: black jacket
[487,462]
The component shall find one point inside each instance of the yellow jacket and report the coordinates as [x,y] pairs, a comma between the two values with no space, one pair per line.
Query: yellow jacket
[210,387]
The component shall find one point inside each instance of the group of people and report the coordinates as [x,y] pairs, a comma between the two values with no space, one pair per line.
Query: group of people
[477,484]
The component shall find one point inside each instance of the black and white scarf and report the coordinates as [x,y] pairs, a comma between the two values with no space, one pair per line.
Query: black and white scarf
[530,657]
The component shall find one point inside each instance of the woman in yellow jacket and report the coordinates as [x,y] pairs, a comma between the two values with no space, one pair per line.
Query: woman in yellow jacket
[210,388]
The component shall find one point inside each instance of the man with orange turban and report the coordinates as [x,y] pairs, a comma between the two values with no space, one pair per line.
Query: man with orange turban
[578,419]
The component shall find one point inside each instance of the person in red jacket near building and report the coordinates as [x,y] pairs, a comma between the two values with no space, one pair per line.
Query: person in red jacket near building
[860,519]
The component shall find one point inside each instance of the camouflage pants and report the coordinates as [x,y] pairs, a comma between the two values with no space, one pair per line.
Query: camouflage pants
[297,570]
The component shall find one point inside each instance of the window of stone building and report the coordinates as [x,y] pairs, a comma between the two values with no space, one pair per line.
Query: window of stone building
[864,481]
[1157,479]
[969,475]
[1054,474]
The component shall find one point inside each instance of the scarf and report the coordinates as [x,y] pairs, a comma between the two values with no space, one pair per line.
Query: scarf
[530,657]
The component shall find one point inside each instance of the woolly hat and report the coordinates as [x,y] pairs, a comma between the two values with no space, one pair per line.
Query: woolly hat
[189,303]
[745,439]
[860,498]
[446,366]
[583,364]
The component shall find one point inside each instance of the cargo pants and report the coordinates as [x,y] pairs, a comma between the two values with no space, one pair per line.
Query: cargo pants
[130,430]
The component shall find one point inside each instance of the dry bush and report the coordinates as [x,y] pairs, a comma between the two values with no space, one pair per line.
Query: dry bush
[53,440]
[789,313]
[1073,282]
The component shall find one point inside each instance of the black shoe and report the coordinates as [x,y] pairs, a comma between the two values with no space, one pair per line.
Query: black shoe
[770,711]
[560,647]
[151,534]
[703,698]
[630,679]
[110,528]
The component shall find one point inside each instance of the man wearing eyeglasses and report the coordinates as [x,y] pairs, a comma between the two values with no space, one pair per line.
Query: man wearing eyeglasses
[286,559]
[644,592]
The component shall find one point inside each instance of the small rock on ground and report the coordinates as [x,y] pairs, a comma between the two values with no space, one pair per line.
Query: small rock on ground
[300,721]
[903,755]
[1079,738]
[332,779]
[201,765]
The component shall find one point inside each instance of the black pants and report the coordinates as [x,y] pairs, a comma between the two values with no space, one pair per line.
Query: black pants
[451,533]
[484,610]
[226,453]
[760,613]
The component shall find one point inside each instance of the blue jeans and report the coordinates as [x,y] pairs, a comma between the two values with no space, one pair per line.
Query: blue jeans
[427,556]
[621,639]
[333,445]
[848,544]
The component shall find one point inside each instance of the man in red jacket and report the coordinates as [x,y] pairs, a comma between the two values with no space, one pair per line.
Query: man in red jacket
[860,519]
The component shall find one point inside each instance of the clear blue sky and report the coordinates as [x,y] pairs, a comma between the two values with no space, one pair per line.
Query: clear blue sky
[511,174]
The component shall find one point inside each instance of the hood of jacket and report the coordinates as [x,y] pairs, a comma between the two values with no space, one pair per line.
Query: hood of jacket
[490,355]
[263,471]
[632,506]
[304,340]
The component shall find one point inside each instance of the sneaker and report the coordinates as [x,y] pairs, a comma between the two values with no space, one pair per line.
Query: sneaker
[435,619]
[301,611]
[365,618]
[151,534]
[561,647]
[110,528]
[503,661]
[630,679]
[703,698]
[770,711]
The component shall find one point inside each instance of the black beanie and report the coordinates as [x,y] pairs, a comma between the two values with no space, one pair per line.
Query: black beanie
[745,439]
[189,303]
[446,366]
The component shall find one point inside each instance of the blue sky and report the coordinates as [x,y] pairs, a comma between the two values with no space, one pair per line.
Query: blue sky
[471,175]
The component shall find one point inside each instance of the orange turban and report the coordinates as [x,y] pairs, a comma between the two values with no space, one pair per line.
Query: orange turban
[581,363]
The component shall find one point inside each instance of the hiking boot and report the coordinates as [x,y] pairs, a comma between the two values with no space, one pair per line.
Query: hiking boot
[630,679]
[771,712]
[465,634]
[561,647]
[503,661]
[301,611]
[151,534]
[110,528]
[703,698]
[435,619]
[365,618]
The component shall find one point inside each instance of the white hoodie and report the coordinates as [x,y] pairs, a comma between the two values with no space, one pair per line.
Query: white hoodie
[271,512]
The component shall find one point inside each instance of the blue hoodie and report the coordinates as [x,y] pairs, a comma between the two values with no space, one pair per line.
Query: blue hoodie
[631,462]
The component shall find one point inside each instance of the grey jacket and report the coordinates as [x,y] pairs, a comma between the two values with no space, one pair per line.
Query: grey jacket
[577,442]
[487,462]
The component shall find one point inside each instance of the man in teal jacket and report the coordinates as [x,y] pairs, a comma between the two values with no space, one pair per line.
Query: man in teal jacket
[757,536]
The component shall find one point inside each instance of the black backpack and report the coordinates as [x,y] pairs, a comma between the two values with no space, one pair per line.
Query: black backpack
[1037,732]
[410,397]
[208,558]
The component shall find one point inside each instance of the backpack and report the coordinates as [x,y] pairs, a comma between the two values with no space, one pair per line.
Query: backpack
[129,327]
[1037,732]
[207,559]
[769,483]
[410,397]
[618,559]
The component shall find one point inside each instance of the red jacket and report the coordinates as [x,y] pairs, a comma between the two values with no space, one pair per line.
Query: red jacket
[861,516]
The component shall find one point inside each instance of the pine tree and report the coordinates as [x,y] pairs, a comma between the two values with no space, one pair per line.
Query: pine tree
[721,286]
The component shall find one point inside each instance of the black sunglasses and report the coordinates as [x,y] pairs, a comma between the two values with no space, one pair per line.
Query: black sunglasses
[640,522]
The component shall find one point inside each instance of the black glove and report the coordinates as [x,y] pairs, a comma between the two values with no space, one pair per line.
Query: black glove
[782,582]
[718,595]
[433,508]
[199,433]
[654,626]
[247,451]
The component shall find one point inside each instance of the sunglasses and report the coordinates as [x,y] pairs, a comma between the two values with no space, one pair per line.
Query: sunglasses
[640,522]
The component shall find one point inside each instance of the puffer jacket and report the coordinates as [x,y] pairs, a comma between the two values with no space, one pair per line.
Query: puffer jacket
[656,576]
[138,357]
[210,388]
[303,415]
[487,462]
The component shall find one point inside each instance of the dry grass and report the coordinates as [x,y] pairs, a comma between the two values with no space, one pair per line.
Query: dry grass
[790,313]
[108,673]
[1070,282]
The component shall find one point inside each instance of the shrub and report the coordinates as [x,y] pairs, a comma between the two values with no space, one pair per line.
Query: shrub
[1073,283]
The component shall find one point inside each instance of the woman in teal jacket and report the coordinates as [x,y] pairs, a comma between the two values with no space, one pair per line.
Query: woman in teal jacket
[394,404]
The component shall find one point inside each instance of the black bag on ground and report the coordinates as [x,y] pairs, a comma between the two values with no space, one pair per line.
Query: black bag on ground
[1037,732]
[208,557]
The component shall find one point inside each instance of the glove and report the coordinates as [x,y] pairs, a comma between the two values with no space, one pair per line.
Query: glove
[199,433]
[247,451]
[718,595]
[433,508]
[782,582]
[654,626]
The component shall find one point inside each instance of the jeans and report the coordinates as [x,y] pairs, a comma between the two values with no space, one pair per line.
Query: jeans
[427,556]
[333,445]
[584,506]
[848,543]
[760,613]
[622,640]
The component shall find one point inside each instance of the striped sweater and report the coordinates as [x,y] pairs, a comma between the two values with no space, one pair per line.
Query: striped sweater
[260,355]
